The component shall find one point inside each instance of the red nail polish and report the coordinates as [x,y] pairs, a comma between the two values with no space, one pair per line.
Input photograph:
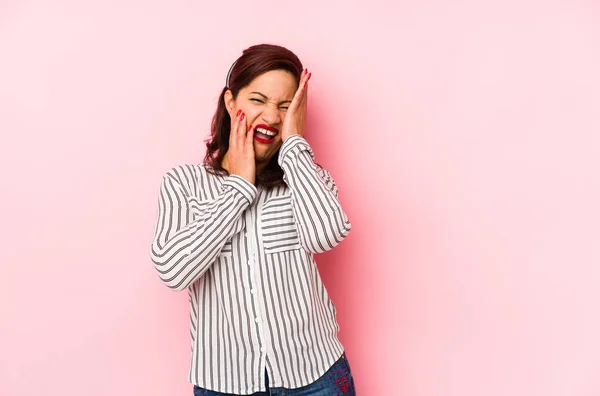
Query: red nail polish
[238,113]
[250,128]
[243,115]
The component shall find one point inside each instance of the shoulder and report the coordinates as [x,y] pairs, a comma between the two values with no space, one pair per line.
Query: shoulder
[187,175]
[196,180]
[184,172]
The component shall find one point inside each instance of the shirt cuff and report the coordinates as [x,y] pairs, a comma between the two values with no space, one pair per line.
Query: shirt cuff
[241,185]
[292,146]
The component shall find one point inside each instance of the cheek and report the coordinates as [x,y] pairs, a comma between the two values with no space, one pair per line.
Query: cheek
[252,116]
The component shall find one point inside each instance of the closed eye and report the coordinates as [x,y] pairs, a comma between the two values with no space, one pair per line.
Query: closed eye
[256,100]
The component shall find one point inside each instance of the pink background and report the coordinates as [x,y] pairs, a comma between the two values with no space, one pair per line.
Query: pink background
[464,137]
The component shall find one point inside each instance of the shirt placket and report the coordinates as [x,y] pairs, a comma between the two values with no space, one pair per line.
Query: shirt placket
[254,286]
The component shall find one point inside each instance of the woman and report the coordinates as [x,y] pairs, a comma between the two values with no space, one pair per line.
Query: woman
[239,232]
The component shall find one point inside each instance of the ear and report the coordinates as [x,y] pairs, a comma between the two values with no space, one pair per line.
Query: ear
[229,102]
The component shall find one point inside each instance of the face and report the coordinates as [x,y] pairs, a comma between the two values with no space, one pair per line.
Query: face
[265,102]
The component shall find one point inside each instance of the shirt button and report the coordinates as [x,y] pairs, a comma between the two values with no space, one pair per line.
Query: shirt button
[262,349]
[256,320]
[253,291]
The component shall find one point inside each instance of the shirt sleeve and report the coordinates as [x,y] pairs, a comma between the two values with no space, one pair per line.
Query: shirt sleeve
[189,235]
[322,223]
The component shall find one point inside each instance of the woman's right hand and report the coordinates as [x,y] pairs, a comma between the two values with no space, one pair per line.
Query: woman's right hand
[241,150]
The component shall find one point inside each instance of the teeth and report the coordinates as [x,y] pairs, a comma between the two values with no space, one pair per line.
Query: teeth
[269,133]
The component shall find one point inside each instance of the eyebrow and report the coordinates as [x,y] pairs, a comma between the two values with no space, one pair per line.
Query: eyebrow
[265,96]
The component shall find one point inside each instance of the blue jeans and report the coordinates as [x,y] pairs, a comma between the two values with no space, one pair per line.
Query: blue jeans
[337,381]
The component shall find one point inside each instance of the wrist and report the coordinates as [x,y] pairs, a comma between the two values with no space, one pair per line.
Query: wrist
[292,147]
[241,185]
[250,178]
[286,136]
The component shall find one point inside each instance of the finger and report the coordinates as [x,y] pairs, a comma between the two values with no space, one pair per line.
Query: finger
[308,76]
[305,90]
[249,139]
[304,83]
[297,99]
[303,99]
[239,136]
[303,80]
[242,130]
[233,134]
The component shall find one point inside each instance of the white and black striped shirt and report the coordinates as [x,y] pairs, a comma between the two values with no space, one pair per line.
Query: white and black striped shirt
[245,254]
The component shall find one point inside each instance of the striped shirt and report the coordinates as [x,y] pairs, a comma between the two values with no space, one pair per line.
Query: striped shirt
[245,255]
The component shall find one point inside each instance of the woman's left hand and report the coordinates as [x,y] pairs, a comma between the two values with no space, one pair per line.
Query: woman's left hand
[293,123]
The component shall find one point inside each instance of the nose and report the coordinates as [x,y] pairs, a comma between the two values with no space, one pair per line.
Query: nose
[271,115]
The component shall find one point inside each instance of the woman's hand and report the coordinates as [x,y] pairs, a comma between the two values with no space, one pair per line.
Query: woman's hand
[293,124]
[240,156]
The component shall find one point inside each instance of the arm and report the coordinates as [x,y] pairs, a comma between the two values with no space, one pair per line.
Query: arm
[322,223]
[189,237]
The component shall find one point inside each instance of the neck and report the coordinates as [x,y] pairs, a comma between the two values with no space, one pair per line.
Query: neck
[260,167]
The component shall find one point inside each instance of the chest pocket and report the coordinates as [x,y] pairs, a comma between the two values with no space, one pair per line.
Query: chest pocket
[278,226]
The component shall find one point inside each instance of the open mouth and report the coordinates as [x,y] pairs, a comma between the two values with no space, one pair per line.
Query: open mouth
[265,134]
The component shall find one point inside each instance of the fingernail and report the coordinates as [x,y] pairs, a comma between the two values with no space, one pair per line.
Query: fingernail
[250,128]
[309,74]
[238,113]
[243,115]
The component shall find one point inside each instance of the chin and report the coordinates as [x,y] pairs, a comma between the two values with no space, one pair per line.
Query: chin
[262,153]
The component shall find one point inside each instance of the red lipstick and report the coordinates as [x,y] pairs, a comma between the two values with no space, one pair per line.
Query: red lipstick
[262,137]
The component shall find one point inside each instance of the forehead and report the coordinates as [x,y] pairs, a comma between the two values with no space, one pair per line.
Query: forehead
[275,84]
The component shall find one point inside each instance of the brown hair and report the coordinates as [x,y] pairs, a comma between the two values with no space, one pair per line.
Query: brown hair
[254,62]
